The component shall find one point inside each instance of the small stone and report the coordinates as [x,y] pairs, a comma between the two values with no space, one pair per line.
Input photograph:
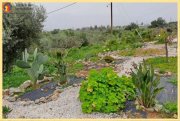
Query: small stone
[26,84]
[12,99]
[48,78]
[58,91]
[150,109]
[136,102]
[42,99]
[175,116]
[169,73]
[39,81]
[55,96]
[75,85]
[26,103]
[15,90]
[158,107]
[6,92]
[36,101]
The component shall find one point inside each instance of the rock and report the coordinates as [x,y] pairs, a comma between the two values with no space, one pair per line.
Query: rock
[48,78]
[158,107]
[5,92]
[54,96]
[26,84]
[175,116]
[168,73]
[12,99]
[26,103]
[13,90]
[36,101]
[136,102]
[75,85]
[58,91]
[39,81]
[42,99]
[150,109]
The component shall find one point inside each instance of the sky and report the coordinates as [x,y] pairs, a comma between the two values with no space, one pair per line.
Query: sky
[89,14]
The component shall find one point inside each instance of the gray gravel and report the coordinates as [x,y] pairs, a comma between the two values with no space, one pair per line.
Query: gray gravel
[67,106]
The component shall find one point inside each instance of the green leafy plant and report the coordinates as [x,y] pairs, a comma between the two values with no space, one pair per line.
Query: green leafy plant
[105,91]
[170,107]
[6,110]
[146,84]
[35,69]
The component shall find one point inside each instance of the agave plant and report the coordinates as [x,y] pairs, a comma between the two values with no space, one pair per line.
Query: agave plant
[35,69]
[146,84]
[61,66]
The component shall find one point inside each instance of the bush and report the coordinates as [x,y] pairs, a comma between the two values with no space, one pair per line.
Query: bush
[104,91]
[131,26]
[146,84]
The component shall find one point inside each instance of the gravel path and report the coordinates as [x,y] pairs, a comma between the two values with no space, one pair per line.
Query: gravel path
[68,104]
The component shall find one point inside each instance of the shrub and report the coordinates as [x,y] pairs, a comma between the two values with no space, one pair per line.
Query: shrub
[105,91]
[146,84]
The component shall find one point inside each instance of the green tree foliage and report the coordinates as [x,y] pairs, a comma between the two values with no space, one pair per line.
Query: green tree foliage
[105,91]
[160,22]
[20,29]
[131,26]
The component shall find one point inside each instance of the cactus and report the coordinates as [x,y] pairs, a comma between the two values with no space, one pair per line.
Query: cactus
[35,69]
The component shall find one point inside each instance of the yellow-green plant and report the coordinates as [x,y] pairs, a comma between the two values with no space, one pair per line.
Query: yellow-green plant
[146,84]
[104,91]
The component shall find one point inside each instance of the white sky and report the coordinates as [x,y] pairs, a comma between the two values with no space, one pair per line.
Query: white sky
[90,14]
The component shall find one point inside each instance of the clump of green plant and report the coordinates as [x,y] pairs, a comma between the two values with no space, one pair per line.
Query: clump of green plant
[6,110]
[35,69]
[170,107]
[104,91]
[146,84]
[108,59]
[10,79]
[111,45]
[161,64]
[61,66]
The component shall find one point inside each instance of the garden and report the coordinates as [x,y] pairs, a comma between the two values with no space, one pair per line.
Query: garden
[88,72]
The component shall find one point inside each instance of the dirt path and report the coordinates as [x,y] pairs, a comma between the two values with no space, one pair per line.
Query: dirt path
[68,104]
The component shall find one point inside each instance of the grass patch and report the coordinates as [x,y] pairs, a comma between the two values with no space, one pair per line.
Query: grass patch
[160,63]
[87,52]
[142,52]
[170,107]
[75,67]
[6,110]
[15,78]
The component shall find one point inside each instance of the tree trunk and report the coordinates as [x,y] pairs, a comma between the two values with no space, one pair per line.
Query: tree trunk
[166,48]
